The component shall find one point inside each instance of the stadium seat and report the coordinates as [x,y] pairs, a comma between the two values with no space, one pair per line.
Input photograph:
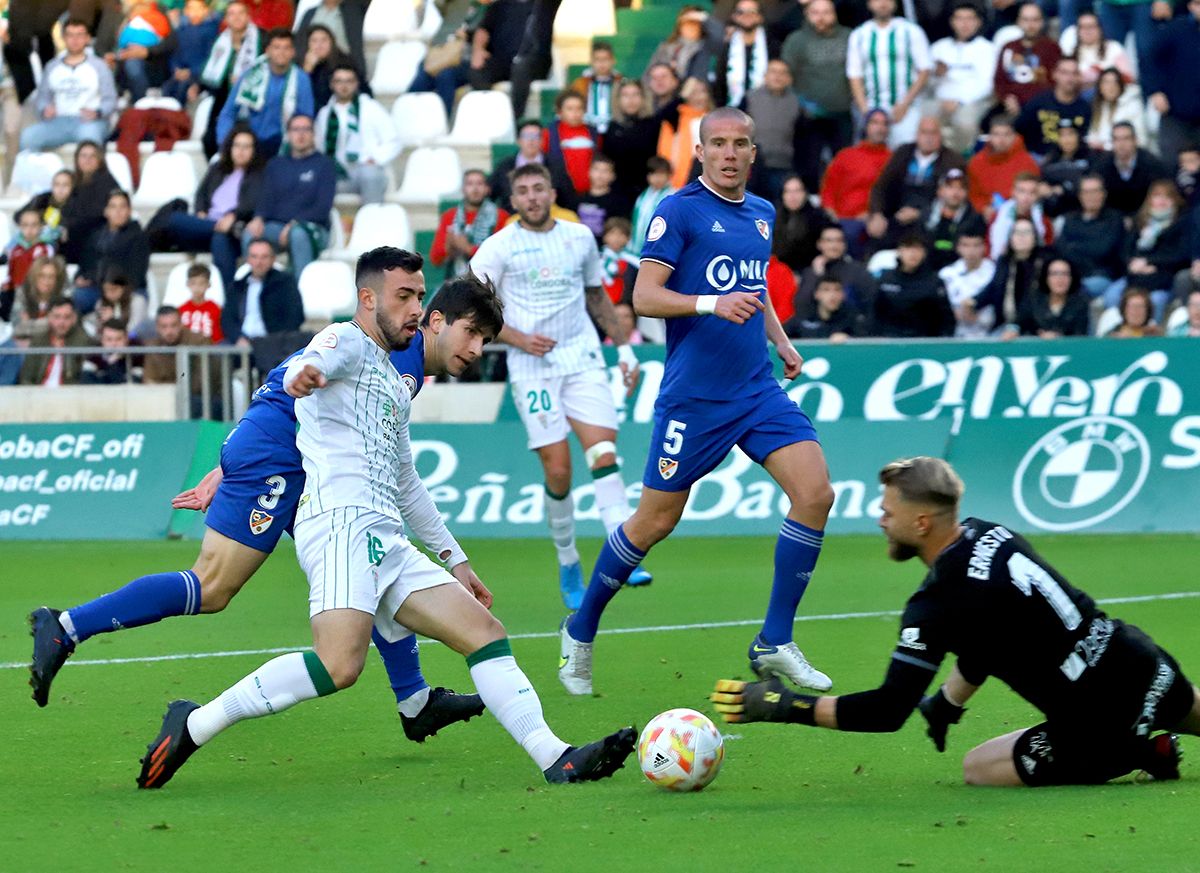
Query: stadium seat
[169,103]
[327,291]
[165,176]
[375,224]
[1176,318]
[431,22]
[390,20]
[882,261]
[118,165]
[302,7]
[33,172]
[1109,320]
[483,117]
[420,118]
[177,292]
[580,19]
[204,110]
[396,65]
[1005,35]
[431,173]
[8,228]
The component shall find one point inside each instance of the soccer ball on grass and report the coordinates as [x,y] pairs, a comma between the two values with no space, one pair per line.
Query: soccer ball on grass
[681,750]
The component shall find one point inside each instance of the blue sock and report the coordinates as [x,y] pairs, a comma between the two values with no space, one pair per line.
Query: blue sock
[796,553]
[142,601]
[402,663]
[616,561]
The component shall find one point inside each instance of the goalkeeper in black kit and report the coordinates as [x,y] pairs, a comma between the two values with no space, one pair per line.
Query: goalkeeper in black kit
[1112,699]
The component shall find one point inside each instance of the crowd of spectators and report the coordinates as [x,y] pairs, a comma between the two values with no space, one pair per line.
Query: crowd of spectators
[968,169]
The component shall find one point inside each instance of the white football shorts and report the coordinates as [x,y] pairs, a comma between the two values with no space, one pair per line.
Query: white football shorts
[546,405]
[355,558]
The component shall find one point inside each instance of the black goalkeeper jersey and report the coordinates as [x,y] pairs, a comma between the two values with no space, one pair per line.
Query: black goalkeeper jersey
[993,601]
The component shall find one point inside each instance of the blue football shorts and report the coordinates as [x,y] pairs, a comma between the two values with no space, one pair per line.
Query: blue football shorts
[257,499]
[692,437]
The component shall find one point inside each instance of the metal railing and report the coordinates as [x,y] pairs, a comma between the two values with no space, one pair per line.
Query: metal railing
[233,361]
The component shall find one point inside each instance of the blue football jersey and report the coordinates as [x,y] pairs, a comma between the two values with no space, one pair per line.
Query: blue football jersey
[274,410]
[714,246]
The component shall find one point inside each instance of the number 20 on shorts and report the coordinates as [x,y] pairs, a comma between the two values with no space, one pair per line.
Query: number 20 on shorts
[538,397]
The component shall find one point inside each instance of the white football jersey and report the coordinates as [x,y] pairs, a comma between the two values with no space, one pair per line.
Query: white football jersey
[541,277]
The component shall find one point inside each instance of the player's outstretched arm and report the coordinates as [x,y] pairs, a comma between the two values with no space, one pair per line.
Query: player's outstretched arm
[653,299]
[329,356]
[602,311]
[304,381]
[792,362]
[199,497]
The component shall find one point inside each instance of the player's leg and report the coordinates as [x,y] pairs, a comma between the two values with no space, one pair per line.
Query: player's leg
[446,612]
[784,442]
[991,763]
[539,403]
[423,710]
[219,572]
[588,403]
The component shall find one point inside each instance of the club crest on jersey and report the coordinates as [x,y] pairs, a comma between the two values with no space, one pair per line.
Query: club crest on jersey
[657,228]
[260,521]
[763,228]
[330,341]
[667,467]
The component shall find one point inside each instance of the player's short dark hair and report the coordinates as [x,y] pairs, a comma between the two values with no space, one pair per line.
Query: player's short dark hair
[373,264]
[922,479]
[722,113]
[115,324]
[165,310]
[618,223]
[658,164]
[538,170]
[469,296]
[602,46]
[278,33]
[199,270]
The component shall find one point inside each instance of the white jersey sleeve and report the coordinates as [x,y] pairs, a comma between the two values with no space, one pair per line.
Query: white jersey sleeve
[329,352]
[419,511]
[593,271]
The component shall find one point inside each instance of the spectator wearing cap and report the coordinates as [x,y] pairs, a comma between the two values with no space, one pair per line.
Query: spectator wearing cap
[908,184]
[950,216]
[1093,238]
[1024,65]
[888,65]
[1171,82]
[912,301]
[816,56]
[1038,121]
[1114,102]
[1128,170]
[846,187]
[963,65]
[1065,164]
[992,170]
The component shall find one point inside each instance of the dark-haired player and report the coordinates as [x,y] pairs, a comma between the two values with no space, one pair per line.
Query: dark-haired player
[710,242]
[251,499]
[1103,685]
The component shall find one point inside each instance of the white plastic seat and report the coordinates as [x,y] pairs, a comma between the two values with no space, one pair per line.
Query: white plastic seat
[118,165]
[177,292]
[396,65]
[1005,35]
[375,224]
[390,19]
[301,9]
[1176,318]
[882,261]
[8,228]
[165,176]
[327,290]
[483,117]
[33,172]
[204,109]
[420,118]
[429,175]
[1109,320]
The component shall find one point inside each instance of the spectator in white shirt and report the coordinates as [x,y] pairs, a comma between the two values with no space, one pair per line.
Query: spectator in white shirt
[359,134]
[965,280]
[75,98]
[962,77]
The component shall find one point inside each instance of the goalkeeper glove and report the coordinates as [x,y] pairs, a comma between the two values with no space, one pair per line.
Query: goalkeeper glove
[940,713]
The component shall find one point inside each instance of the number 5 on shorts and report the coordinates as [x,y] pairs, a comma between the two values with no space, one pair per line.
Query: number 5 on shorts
[674,437]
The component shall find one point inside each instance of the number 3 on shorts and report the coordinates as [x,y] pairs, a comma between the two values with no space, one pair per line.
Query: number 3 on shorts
[536,397]
[271,499]
[674,441]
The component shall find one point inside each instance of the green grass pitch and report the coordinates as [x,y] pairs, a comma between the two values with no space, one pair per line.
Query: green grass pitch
[333,784]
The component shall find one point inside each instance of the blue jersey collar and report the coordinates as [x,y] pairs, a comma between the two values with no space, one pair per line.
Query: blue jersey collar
[704,184]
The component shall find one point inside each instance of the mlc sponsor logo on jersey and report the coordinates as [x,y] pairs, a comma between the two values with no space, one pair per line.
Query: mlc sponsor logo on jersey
[1081,473]
[722,274]
[260,521]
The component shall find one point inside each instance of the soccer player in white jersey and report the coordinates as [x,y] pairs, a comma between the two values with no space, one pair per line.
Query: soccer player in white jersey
[548,273]
[360,489]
